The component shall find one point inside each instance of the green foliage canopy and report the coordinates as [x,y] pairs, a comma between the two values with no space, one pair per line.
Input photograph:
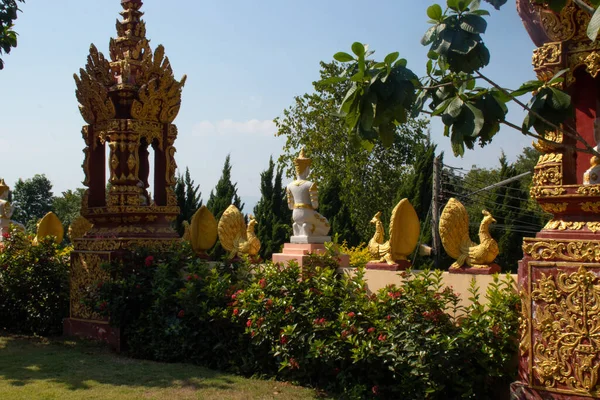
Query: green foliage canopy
[8,37]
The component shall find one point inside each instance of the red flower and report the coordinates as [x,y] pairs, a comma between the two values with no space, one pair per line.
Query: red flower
[6,235]
[294,364]
[375,390]
[103,306]
[351,314]
[259,322]
[389,317]
[236,311]
[320,321]
[180,314]
[252,333]
[371,330]
[336,371]
[249,323]
[382,337]
[268,304]
[188,278]
[262,283]
[149,261]
[196,277]
[345,334]
[289,309]
[283,339]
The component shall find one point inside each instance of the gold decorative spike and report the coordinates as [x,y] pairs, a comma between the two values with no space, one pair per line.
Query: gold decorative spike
[50,225]
[235,237]
[203,231]
[454,232]
[404,234]
[79,227]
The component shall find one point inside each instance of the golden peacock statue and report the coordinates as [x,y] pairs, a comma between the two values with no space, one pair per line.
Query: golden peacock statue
[235,237]
[404,235]
[454,232]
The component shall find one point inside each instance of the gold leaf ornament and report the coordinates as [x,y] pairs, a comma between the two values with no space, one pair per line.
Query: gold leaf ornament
[48,226]
[203,231]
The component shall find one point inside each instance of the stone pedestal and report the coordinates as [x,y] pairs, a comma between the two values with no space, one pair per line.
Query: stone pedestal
[401,265]
[299,252]
[490,270]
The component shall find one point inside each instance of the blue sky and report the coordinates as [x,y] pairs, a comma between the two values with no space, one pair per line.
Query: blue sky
[245,62]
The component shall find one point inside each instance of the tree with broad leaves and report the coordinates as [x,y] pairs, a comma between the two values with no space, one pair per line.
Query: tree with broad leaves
[8,37]
[32,199]
[368,177]
[67,207]
[382,95]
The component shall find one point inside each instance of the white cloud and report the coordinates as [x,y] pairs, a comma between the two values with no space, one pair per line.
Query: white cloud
[229,127]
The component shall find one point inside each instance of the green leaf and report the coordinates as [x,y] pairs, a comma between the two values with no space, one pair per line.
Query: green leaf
[480,12]
[343,57]
[557,77]
[527,87]
[442,106]
[478,119]
[435,12]
[455,107]
[560,100]
[358,49]
[594,25]
[458,143]
[473,24]
[390,58]
[429,36]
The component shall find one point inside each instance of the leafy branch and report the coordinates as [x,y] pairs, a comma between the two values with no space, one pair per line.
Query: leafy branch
[383,94]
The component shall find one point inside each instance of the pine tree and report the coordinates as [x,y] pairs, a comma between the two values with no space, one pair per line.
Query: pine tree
[338,214]
[188,199]
[273,228]
[221,197]
[225,193]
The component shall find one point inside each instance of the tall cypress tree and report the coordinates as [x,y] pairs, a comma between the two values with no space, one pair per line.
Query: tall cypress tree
[338,214]
[273,219]
[188,199]
[221,197]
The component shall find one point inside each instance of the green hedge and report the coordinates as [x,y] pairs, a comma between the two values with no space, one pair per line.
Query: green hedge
[34,285]
[317,327]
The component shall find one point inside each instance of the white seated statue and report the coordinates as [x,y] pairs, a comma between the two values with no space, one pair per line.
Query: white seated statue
[6,212]
[303,198]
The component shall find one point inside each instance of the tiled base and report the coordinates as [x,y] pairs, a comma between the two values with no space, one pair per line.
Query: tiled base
[299,252]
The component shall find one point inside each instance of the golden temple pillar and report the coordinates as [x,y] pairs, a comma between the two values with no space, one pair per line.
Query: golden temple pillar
[559,276]
[129,103]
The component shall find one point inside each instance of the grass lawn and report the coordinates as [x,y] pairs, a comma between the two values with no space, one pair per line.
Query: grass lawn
[35,368]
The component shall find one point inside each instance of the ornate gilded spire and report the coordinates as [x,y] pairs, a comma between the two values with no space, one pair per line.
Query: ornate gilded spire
[135,83]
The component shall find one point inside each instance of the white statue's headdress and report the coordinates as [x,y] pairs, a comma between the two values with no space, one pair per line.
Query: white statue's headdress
[3,187]
[301,163]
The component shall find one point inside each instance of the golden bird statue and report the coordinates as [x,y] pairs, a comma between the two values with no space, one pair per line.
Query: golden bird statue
[202,232]
[235,237]
[404,235]
[454,232]
[49,225]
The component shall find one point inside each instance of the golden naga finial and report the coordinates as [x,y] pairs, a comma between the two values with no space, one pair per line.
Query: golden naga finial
[302,162]
[202,232]
[454,232]
[49,225]
[404,234]
[235,237]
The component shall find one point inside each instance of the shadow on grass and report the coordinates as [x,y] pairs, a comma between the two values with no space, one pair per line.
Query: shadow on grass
[79,365]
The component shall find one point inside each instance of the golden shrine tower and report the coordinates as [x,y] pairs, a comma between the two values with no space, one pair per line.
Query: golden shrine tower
[559,276]
[129,103]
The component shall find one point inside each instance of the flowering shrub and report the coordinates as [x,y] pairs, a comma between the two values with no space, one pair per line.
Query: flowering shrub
[34,285]
[359,255]
[317,326]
